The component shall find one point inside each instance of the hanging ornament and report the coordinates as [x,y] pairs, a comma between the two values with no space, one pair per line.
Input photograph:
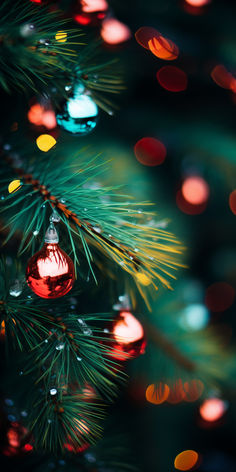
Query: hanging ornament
[50,272]
[79,114]
[129,337]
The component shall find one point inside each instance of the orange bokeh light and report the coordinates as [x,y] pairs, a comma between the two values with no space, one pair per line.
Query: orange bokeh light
[186,460]
[212,409]
[195,190]
[41,116]
[150,151]
[151,39]
[219,296]
[114,32]
[172,79]
[157,394]
[177,393]
[2,328]
[232,202]
[193,390]
[163,48]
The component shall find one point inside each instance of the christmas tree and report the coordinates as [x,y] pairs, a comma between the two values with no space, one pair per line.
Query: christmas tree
[117,193]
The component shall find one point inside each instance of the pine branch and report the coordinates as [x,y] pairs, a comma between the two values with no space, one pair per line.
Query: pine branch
[100,219]
[30,55]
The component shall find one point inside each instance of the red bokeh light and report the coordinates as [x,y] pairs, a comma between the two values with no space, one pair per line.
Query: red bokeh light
[176,394]
[193,390]
[42,116]
[232,202]
[197,3]
[223,78]
[145,34]
[28,447]
[82,19]
[114,32]
[187,207]
[219,296]
[195,190]
[172,79]
[212,409]
[150,151]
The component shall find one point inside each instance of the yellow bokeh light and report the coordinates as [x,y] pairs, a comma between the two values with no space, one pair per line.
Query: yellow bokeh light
[143,279]
[14,186]
[61,36]
[186,460]
[45,142]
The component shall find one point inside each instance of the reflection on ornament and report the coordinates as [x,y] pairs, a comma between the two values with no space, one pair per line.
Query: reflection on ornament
[79,114]
[14,186]
[129,337]
[81,430]
[50,272]
[16,289]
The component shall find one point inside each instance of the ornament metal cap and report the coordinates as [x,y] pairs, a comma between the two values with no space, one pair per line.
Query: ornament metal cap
[51,235]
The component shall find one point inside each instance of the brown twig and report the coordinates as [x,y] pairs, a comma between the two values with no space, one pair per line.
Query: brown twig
[172,351]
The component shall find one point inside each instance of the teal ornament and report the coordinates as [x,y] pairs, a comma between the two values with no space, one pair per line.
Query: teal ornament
[79,114]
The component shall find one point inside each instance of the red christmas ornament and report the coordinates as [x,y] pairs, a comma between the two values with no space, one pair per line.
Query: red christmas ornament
[50,272]
[129,337]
